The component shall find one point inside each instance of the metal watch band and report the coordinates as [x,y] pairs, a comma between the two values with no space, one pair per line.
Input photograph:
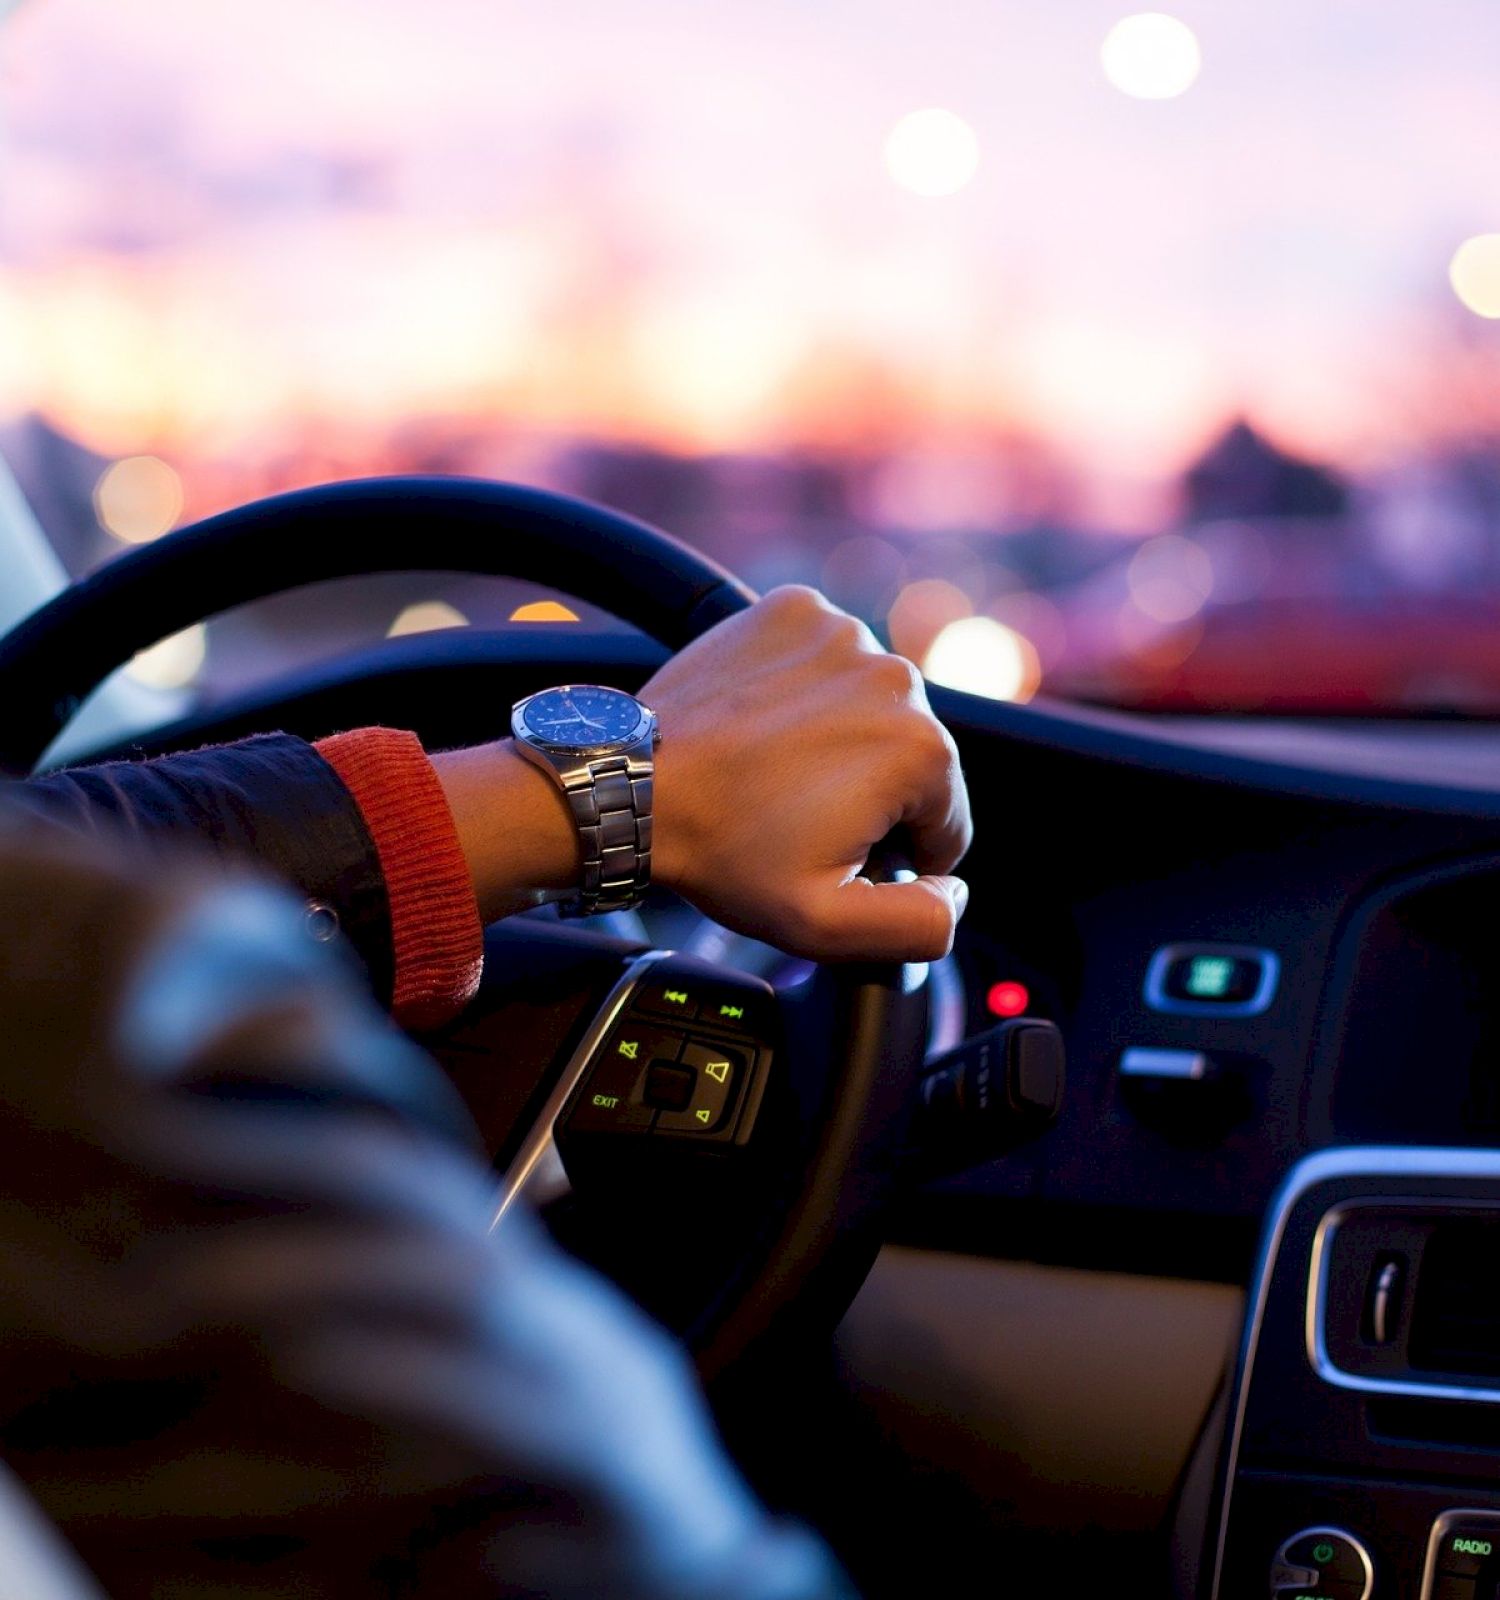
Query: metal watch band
[611,802]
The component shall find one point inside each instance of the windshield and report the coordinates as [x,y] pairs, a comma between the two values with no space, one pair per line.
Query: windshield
[1141,358]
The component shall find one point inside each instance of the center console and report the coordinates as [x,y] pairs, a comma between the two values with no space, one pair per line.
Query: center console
[1363,1456]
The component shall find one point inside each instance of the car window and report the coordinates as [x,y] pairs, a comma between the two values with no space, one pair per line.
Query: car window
[1138,357]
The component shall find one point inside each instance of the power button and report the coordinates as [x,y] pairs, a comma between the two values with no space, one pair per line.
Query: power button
[1322,1564]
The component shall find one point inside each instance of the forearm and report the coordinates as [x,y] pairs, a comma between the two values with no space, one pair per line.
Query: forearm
[513,826]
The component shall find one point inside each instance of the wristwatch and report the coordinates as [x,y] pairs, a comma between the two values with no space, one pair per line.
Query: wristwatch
[599,746]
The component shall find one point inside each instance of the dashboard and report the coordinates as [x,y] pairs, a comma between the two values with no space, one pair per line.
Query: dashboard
[1361,903]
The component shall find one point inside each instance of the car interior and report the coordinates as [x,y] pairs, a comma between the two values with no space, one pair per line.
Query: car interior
[1149,1244]
[1159,1312]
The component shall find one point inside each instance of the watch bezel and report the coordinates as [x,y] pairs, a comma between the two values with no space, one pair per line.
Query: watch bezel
[643,729]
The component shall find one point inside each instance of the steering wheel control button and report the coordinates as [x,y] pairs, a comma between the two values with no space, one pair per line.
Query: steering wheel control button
[735,1009]
[613,1097]
[1212,980]
[994,1092]
[718,1076]
[1323,1564]
[669,1088]
[669,997]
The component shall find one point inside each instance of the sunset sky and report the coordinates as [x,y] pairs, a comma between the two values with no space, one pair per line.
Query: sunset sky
[230,225]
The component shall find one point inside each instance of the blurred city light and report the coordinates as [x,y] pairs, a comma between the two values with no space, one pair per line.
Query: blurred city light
[932,152]
[1038,619]
[426,616]
[532,611]
[1170,578]
[984,657]
[864,575]
[920,613]
[173,662]
[1474,273]
[1151,56]
[138,499]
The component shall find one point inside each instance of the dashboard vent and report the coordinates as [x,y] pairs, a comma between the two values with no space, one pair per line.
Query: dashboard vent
[1455,1326]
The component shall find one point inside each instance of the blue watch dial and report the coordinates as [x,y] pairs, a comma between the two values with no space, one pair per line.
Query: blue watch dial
[581,716]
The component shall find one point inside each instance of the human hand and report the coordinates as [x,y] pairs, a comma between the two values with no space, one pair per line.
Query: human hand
[791,745]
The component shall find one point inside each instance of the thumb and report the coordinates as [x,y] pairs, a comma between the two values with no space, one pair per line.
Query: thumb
[911,921]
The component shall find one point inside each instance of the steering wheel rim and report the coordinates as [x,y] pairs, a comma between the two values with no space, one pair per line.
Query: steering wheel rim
[876,1015]
[60,654]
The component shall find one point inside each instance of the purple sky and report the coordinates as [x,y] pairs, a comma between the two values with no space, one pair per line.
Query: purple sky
[671,220]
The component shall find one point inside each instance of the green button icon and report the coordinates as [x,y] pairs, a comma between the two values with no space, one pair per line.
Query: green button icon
[1323,1553]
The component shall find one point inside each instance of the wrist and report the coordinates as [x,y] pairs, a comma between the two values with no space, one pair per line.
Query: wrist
[514,827]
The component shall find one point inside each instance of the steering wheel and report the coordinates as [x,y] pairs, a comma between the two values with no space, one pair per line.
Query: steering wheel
[742,1228]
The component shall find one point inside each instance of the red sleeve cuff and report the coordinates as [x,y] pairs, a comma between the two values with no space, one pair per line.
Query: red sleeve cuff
[436,935]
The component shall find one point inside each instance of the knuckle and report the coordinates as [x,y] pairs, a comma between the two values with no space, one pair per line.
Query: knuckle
[793,601]
[931,747]
[846,634]
[895,674]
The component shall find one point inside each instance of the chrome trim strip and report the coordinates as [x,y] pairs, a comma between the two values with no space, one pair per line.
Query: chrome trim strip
[1377,1161]
[1317,1301]
[1265,991]
[1440,1532]
[1141,1061]
[538,1153]
[1380,1305]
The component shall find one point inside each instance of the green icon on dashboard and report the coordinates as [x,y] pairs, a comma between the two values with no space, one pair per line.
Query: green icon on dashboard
[732,1011]
[705,1115]
[1209,977]
[1323,1553]
[676,997]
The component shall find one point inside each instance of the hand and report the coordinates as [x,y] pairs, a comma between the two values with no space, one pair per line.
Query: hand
[791,744]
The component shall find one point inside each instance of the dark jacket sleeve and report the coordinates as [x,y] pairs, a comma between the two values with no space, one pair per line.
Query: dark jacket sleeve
[271,800]
[259,1334]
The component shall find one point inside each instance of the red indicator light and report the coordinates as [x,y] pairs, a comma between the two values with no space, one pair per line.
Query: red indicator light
[1008,999]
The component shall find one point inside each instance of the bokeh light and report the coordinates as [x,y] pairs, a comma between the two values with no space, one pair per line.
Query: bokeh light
[1474,273]
[1151,56]
[532,611]
[1170,578]
[1038,619]
[920,613]
[932,152]
[173,662]
[863,575]
[426,616]
[138,499]
[984,657]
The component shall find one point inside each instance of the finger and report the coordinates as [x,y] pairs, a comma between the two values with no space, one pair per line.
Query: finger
[864,921]
[938,818]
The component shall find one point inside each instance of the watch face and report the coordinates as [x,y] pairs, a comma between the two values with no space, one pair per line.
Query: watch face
[583,716]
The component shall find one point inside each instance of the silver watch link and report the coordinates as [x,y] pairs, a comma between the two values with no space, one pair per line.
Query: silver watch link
[598,745]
